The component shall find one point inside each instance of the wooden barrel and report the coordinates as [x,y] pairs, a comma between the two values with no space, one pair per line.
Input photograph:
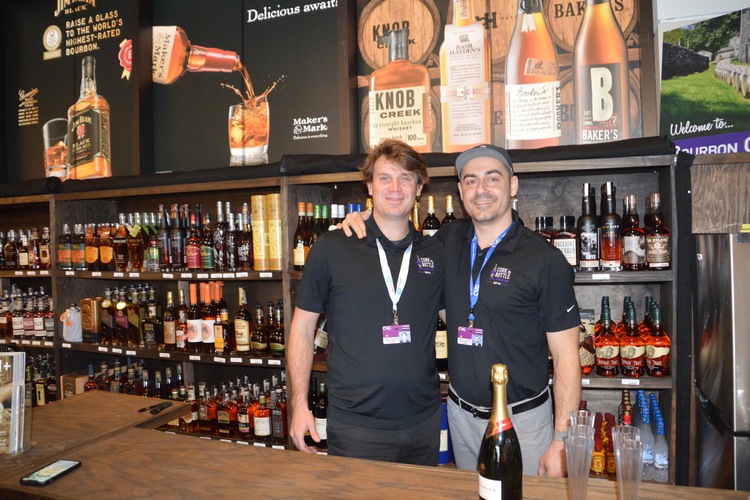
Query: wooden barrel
[435,123]
[499,19]
[564,17]
[567,102]
[421,17]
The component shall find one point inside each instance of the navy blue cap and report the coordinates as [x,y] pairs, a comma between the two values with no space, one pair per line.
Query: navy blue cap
[484,151]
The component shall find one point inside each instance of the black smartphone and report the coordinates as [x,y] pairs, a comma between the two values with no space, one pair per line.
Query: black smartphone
[50,472]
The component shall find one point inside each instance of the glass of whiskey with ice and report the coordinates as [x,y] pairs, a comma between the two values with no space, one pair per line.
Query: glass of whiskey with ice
[55,149]
[248,132]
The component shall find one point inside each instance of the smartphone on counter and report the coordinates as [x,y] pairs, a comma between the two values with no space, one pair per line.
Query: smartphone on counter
[50,472]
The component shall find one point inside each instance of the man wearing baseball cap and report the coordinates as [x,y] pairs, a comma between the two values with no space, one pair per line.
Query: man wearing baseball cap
[509,287]
[509,299]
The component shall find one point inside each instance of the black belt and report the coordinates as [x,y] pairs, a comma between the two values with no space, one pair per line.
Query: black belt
[515,410]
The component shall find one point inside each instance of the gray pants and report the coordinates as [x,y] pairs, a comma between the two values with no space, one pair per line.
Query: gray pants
[534,428]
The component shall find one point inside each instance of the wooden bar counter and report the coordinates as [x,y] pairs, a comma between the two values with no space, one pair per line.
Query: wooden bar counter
[140,462]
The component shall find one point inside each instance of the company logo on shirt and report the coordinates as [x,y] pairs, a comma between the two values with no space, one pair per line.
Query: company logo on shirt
[425,265]
[500,276]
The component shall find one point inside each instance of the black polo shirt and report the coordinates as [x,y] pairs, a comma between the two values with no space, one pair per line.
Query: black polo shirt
[526,289]
[371,384]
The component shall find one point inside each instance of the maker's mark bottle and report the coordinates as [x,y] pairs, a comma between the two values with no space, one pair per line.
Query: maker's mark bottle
[173,55]
[500,465]
[89,129]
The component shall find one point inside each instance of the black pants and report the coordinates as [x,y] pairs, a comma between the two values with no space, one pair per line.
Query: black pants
[417,445]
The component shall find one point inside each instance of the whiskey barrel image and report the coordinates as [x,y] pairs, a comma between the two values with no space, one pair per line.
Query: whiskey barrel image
[564,17]
[420,17]
[499,19]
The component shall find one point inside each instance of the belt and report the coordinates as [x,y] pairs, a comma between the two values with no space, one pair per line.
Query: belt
[478,412]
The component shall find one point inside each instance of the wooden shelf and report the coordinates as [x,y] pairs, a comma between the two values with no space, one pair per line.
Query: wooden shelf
[42,344]
[215,359]
[172,276]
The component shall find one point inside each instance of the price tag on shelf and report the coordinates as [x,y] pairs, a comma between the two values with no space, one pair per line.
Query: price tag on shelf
[193,357]
[245,443]
[30,273]
[102,349]
[25,342]
[118,275]
[165,355]
[242,274]
[206,437]
[265,274]
[186,276]
[228,276]
[202,276]
[585,381]
[225,440]
[256,361]
[70,273]
[235,360]
[274,362]
[18,273]
[49,343]
[65,345]
[278,447]
[96,274]
[631,381]
[167,276]
[215,276]
[36,342]
[130,353]
[44,273]
[219,359]
[134,275]
[600,276]
[116,350]
[262,445]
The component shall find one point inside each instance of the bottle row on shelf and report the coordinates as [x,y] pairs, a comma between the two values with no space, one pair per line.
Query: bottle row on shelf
[27,315]
[236,409]
[628,347]
[649,421]
[41,381]
[133,317]
[25,249]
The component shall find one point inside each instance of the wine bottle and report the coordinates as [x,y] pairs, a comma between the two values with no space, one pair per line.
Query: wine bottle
[588,231]
[301,240]
[532,82]
[449,217]
[600,77]
[431,224]
[465,81]
[500,465]
[441,345]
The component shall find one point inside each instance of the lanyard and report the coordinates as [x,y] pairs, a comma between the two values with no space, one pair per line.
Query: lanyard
[395,293]
[474,285]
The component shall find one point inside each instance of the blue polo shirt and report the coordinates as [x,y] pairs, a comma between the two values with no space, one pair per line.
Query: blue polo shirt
[371,384]
[526,289]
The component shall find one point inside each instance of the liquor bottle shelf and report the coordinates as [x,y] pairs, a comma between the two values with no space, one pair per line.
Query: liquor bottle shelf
[266,361]
[172,276]
[619,382]
[18,273]
[600,277]
[244,442]
[28,342]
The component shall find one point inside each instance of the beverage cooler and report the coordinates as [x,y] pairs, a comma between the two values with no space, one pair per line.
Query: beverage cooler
[722,359]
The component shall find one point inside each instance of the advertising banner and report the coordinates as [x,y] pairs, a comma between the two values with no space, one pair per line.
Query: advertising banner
[705,88]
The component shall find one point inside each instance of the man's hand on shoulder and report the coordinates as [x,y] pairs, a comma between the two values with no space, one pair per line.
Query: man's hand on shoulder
[354,223]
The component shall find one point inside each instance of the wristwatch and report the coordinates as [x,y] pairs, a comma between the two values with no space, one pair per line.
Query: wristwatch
[559,436]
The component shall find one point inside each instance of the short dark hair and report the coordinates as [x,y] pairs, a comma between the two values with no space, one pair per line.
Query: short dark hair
[397,152]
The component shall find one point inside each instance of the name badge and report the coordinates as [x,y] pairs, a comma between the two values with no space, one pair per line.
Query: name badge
[396,334]
[468,335]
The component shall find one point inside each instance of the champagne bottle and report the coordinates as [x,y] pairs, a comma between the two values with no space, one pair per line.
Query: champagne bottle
[500,464]
[600,77]
[532,82]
